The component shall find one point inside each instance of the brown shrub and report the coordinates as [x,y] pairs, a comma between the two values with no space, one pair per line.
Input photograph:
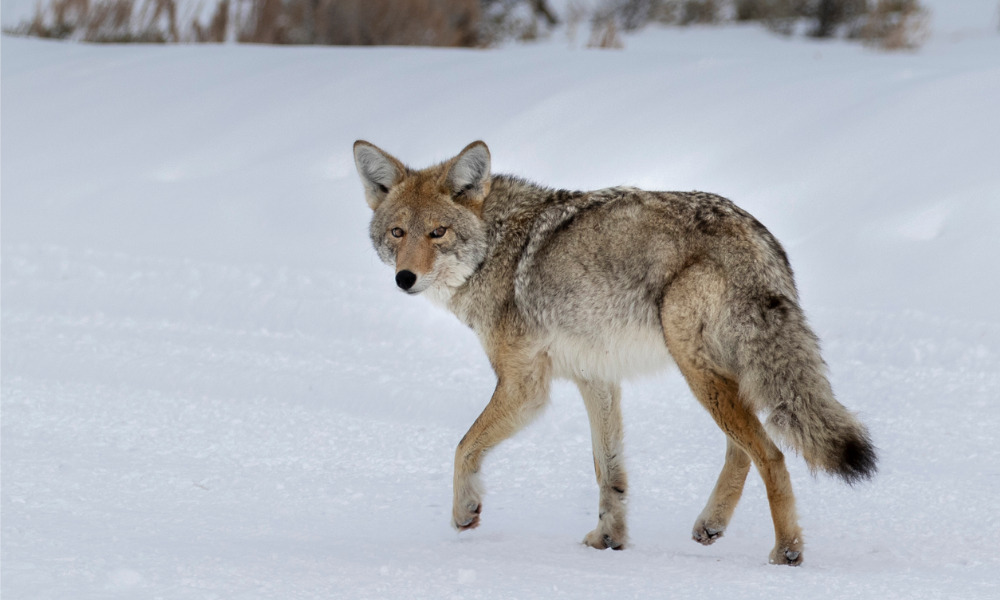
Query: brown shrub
[604,33]
[700,12]
[895,25]
[105,21]
[340,22]
[831,15]
[631,15]
[360,22]
[217,27]
[888,24]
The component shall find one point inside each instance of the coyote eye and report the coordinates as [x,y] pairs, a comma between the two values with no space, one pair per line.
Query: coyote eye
[439,232]
[396,232]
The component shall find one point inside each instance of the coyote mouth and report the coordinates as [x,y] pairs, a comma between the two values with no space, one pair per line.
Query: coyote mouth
[415,290]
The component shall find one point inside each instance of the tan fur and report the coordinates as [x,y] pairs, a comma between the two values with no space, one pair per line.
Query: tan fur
[696,296]
[599,286]
[416,253]
[714,519]
[523,374]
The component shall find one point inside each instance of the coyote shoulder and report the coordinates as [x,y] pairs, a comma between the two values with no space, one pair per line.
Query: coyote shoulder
[602,285]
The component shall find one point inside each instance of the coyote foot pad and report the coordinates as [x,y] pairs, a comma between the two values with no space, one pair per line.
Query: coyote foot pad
[601,539]
[469,519]
[791,556]
[706,533]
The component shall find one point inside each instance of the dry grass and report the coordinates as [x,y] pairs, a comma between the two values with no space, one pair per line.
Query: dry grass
[105,21]
[522,20]
[217,27]
[382,22]
[886,24]
[895,25]
[335,22]
[604,34]
[700,12]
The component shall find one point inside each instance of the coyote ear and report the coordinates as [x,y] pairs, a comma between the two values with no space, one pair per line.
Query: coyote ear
[470,173]
[379,171]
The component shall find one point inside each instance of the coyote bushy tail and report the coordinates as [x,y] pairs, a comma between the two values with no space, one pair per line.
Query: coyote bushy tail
[781,372]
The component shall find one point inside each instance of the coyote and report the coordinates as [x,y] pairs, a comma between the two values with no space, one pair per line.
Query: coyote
[602,285]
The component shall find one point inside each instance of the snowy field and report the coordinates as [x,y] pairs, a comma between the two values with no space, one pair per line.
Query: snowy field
[212,389]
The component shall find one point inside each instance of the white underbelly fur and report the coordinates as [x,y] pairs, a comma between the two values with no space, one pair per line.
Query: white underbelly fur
[628,353]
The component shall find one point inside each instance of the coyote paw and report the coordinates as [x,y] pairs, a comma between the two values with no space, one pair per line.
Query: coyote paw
[467,502]
[610,532]
[601,540]
[706,533]
[790,555]
[466,517]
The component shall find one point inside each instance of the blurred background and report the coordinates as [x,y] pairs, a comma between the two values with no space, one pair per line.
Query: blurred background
[888,24]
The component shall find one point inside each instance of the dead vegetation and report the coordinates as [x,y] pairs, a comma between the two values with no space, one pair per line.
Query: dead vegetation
[361,22]
[895,25]
[329,22]
[105,21]
[887,24]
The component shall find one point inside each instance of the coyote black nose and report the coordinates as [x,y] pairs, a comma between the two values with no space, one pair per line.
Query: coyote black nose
[405,279]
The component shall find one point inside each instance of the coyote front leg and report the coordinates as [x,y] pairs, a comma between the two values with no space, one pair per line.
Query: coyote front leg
[522,390]
[603,402]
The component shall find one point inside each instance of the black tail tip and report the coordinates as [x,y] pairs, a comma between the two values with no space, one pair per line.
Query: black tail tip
[858,460]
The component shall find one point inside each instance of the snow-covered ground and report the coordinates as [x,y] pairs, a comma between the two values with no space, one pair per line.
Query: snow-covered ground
[211,388]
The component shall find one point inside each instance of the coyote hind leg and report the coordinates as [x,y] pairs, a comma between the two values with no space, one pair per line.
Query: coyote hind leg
[692,304]
[744,428]
[712,521]
[603,402]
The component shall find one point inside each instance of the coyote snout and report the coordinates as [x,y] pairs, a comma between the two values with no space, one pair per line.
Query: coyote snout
[599,286]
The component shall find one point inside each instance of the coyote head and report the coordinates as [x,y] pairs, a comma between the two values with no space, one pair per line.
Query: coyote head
[428,223]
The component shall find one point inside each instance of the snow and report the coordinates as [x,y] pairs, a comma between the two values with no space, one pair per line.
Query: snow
[211,389]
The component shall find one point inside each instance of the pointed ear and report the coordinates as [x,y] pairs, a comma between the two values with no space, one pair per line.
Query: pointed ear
[379,171]
[469,175]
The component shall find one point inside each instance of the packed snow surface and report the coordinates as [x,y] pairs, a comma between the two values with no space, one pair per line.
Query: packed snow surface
[212,389]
